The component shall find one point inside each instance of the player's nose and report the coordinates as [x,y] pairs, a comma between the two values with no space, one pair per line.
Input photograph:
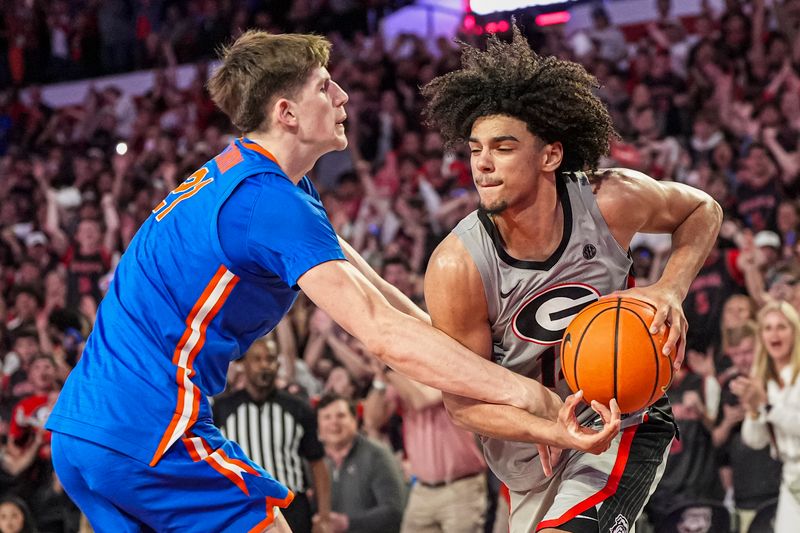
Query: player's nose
[340,96]
[483,162]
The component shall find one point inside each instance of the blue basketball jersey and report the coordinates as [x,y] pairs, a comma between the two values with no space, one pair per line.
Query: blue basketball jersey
[213,268]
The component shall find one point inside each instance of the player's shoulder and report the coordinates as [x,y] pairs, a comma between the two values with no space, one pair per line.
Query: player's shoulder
[621,193]
[451,258]
[453,278]
[272,190]
[613,182]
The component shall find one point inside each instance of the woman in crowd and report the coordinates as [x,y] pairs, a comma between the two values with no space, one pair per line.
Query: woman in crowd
[771,397]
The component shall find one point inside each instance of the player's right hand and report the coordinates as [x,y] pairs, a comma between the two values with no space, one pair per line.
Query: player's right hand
[585,439]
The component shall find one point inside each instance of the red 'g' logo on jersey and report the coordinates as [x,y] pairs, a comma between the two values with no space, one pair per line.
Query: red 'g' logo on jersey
[544,317]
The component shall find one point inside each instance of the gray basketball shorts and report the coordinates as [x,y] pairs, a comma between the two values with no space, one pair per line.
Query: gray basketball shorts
[606,492]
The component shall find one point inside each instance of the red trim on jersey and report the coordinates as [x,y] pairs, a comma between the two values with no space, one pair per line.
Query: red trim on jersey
[207,320]
[184,372]
[229,158]
[201,301]
[234,477]
[506,494]
[241,464]
[199,450]
[271,504]
[610,488]
[260,149]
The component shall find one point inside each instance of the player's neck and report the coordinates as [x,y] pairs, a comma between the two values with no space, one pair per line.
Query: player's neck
[533,230]
[293,157]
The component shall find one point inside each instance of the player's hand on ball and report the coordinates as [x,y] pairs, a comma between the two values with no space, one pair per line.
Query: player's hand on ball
[669,313]
[586,439]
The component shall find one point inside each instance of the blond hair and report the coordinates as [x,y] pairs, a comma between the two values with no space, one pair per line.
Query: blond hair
[763,367]
[260,67]
[735,336]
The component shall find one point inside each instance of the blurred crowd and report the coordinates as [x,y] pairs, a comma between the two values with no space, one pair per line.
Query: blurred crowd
[55,40]
[711,100]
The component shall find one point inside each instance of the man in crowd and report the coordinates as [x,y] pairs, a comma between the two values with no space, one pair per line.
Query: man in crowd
[367,491]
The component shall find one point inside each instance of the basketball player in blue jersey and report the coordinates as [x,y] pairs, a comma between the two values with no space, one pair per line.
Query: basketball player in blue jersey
[551,236]
[217,264]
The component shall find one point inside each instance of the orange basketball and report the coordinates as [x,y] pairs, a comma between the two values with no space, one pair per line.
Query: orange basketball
[608,352]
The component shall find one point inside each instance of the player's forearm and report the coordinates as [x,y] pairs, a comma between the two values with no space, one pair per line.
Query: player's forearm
[431,357]
[415,396]
[692,241]
[501,422]
[396,298]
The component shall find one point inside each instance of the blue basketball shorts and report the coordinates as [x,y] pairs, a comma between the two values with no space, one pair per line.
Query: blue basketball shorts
[192,488]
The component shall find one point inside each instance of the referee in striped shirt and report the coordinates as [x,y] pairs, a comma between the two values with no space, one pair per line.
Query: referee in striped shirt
[278,431]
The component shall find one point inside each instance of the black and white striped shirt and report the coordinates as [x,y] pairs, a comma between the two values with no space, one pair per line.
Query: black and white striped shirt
[278,434]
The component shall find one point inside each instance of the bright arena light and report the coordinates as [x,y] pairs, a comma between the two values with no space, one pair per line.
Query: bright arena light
[548,19]
[484,7]
[122,148]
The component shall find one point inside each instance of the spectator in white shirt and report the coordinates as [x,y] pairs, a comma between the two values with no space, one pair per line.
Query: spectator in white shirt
[771,397]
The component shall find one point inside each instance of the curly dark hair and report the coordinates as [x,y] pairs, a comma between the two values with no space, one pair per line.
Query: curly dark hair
[552,96]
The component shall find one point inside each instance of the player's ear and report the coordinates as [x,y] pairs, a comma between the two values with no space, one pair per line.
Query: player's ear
[552,155]
[284,112]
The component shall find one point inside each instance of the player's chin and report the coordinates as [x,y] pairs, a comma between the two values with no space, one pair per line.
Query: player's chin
[341,142]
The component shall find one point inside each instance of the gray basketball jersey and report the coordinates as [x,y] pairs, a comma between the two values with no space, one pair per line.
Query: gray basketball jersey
[531,303]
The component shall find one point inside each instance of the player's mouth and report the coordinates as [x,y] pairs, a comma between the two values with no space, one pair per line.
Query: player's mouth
[341,121]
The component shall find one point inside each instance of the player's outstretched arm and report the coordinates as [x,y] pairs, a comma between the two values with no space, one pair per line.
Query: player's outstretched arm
[633,202]
[455,297]
[399,300]
[407,344]
[502,422]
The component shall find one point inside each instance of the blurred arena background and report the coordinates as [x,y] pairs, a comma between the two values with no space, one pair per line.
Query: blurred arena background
[103,110]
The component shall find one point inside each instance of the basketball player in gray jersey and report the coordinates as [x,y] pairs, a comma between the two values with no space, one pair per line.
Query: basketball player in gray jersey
[551,235]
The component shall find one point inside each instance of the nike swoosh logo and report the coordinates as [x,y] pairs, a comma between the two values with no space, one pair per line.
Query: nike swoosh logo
[505,295]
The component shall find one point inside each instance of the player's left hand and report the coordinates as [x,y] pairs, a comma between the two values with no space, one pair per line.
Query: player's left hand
[549,457]
[669,312]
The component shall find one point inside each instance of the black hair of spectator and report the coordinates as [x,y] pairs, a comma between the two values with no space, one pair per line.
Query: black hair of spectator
[45,356]
[31,290]
[24,333]
[397,260]
[27,525]
[761,146]
[411,158]
[331,397]
[348,177]
[64,319]
[599,12]
[553,97]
